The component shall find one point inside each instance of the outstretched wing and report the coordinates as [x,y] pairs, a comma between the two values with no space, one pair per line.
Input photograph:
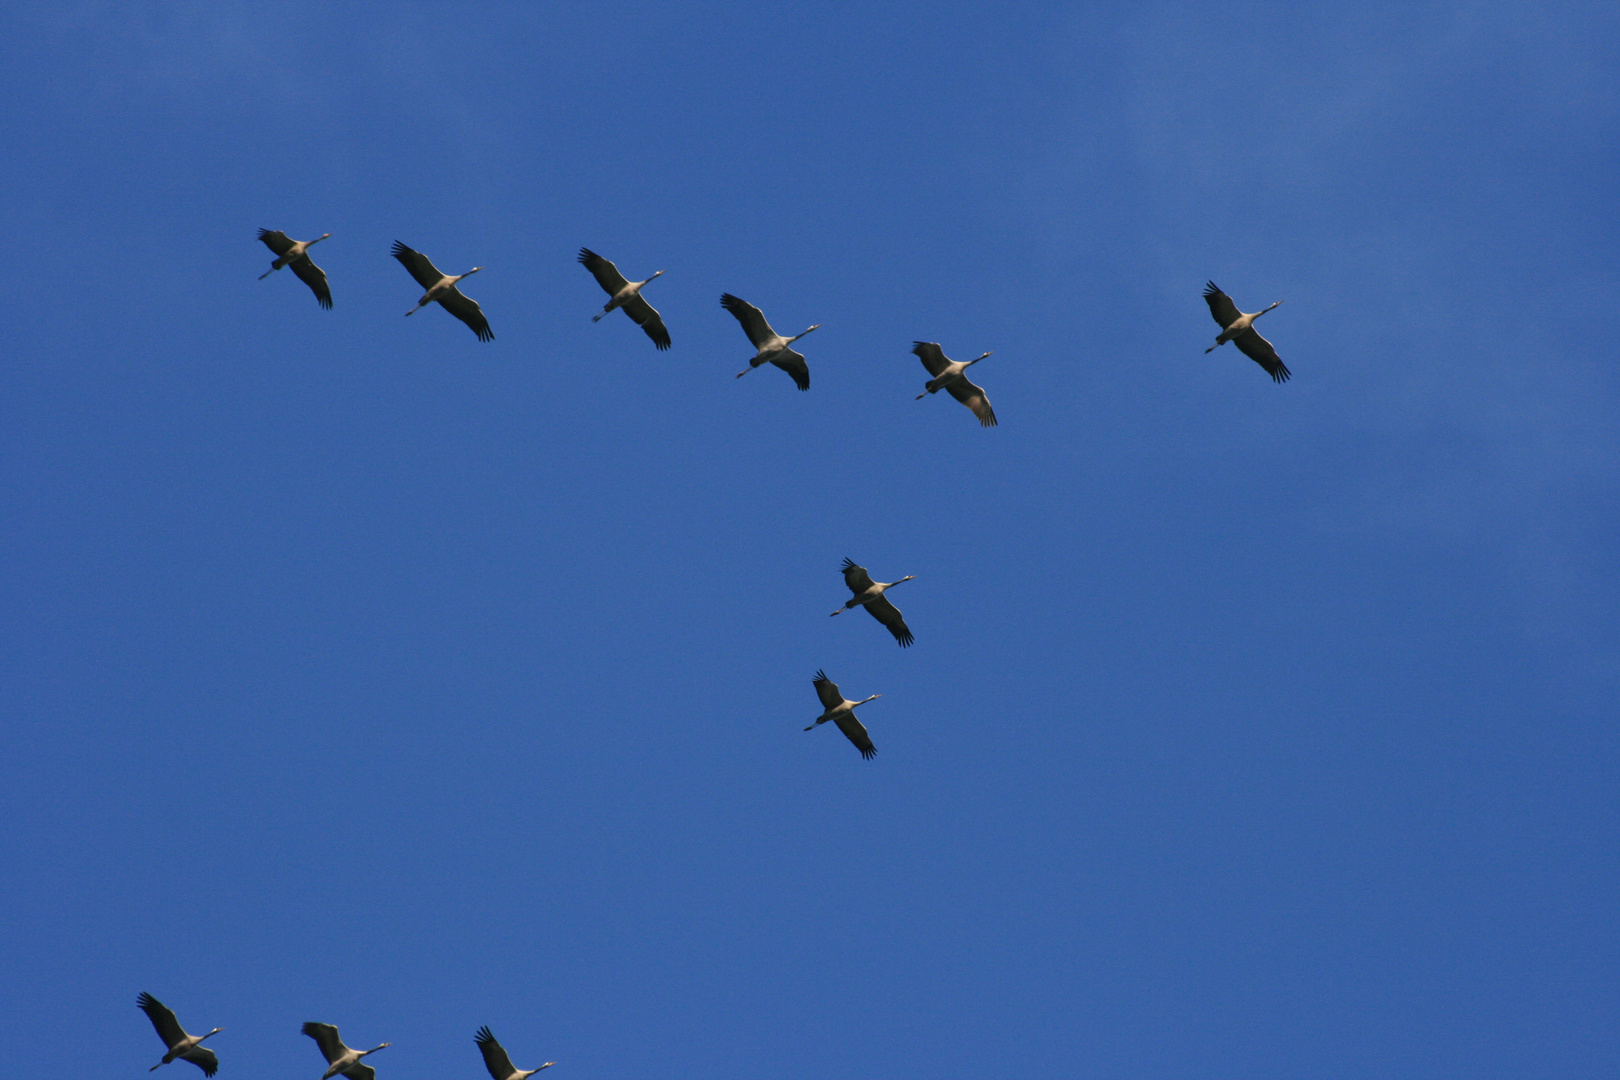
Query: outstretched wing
[855,731]
[326,1037]
[607,275]
[467,310]
[974,398]
[276,240]
[856,577]
[889,615]
[1259,350]
[360,1071]
[421,267]
[315,278]
[168,1028]
[753,323]
[793,363]
[932,356]
[646,316]
[1220,305]
[203,1058]
[827,691]
[495,1059]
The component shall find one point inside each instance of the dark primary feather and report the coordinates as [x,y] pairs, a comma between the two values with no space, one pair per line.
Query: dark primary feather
[607,275]
[856,577]
[646,316]
[753,321]
[974,398]
[855,731]
[793,363]
[886,613]
[495,1059]
[827,691]
[168,1028]
[422,269]
[326,1037]
[203,1058]
[467,310]
[276,240]
[931,355]
[314,277]
[1220,305]
[1259,350]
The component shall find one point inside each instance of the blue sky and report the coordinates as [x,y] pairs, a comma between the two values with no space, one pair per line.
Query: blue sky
[358,671]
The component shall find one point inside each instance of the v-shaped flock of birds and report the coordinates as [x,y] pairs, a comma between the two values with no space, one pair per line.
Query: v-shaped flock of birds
[770,348]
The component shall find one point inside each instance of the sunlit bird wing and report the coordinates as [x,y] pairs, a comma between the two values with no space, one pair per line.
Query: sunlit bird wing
[855,731]
[1259,350]
[315,278]
[421,267]
[752,319]
[276,240]
[974,398]
[495,1059]
[889,615]
[168,1027]
[607,275]
[326,1037]
[467,310]
[360,1071]
[203,1058]
[646,316]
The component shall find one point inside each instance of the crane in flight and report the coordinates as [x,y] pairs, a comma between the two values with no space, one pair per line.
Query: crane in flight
[442,287]
[870,593]
[495,1060]
[1238,328]
[295,253]
[951,375]
[772,347]
[841,711]
[174,1037]
[339,1058]
[626,296]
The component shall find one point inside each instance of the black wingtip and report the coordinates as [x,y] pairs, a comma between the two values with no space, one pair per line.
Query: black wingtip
[263,233]
[905,642]
[869,753]
[586,254]
[821,676]
[325,303]
[1282,374]
[145,1000]
[848,562]
[1211,289]
[484,1035]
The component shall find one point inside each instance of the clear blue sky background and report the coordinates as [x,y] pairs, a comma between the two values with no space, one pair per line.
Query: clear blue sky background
[357,671]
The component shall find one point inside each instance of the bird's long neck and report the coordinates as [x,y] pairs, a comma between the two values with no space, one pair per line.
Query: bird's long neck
[975,360]
[317,240]
[1263,311]
[216,1031]
[902,581]
[863,701]
[796,337]
[373,1050]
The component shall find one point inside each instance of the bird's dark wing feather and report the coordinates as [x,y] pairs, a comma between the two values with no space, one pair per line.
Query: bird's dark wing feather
[793,363]
[326,1037]
[360,1071]
[974,398]
[421,267]
[753,320]
[1259,350]
[315,278]
[646,316]
[855,731]
[276,240]
[467,310]
[827,691]
[856,577]
[889,615]
[495,1059]
[203,1058]
[931,355]
[1220,305]
[168,1028]
[607,275]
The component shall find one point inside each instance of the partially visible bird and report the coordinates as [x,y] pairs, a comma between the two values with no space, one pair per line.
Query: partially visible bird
[626,295]
[773,347]
[495,1060]
[442,287]
[295,253]
[339,1058]
[1238,328]
[841,711]
[870,593]
[175,1038]
[951,375]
